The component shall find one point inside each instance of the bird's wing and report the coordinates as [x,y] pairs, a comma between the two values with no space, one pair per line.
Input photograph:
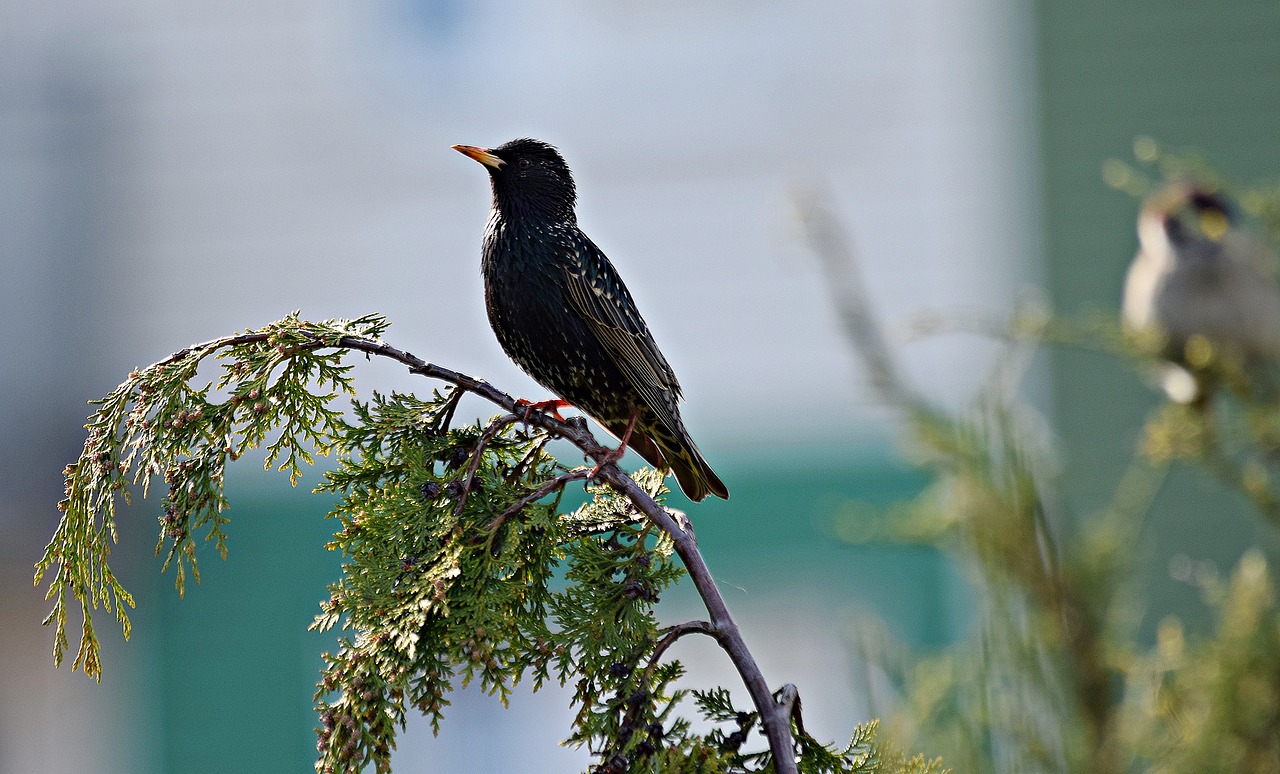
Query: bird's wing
[597,293]
[1255,311]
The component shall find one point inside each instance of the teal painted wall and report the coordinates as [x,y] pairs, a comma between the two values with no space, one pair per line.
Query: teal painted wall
[235,665]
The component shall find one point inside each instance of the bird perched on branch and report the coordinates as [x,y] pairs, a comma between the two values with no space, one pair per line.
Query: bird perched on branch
[562,313]
[1202,287]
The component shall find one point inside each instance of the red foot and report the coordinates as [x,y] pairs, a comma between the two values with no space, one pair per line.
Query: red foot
[614,455]
[552,407]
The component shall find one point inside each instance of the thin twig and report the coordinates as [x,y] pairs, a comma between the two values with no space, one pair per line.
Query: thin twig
[528,459]
[212,344]
[490,432]
[552,485]
[828,240]
[673,633]
[450,407]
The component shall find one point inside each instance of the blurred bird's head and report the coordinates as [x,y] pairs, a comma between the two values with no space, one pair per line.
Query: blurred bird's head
[1181,213]
[529,177]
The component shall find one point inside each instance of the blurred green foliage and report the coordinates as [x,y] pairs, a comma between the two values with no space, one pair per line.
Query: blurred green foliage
[1055,676]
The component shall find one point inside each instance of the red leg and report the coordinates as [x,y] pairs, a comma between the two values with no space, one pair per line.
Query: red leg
[618,453]
[550,406]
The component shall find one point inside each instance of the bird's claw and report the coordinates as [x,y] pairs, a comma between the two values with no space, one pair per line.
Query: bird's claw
[551,407]
[613,455]
[608,458]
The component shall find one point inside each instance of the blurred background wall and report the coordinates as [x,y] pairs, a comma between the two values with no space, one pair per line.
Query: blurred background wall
[172,172]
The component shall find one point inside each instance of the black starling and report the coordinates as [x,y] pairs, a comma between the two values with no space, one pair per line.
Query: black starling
[562,314]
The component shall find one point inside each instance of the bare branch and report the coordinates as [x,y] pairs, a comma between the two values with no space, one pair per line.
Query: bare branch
[776,723]
[553,485]
[490,432]
[674,633]
[450,407]
[829,243]
[788,697]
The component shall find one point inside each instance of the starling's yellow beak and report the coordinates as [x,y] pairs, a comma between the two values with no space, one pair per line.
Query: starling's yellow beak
[482,155]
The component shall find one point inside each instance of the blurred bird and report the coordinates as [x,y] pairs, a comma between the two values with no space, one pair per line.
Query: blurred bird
[1203,288]
[562,314]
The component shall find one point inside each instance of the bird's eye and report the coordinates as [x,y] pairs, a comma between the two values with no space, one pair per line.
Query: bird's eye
[524,163]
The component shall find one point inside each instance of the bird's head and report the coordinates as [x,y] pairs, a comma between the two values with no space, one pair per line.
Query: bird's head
[529,178]
[1184,211]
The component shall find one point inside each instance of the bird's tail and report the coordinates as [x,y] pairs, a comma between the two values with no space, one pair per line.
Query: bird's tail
[681,456]
[695,476]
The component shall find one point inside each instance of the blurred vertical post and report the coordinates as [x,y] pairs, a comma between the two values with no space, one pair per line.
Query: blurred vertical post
[62,205]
